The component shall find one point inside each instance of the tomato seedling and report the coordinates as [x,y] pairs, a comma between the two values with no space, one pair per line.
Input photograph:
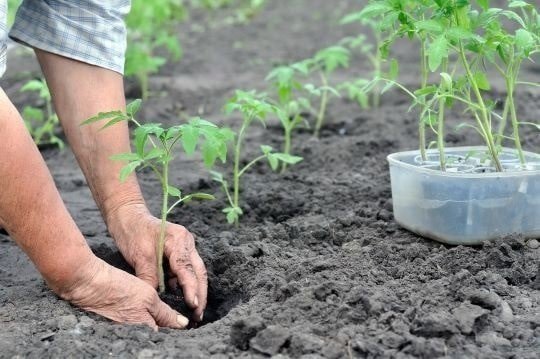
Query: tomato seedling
[253,107]
[288,102]
[325,62]
[151,26]
[155,147]
[42,124]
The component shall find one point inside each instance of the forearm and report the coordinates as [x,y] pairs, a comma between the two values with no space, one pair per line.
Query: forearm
[80,91]
[31,209]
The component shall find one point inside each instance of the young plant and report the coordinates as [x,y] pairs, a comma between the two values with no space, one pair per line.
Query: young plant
[253,107]
[376,54]
[41,123]
[289,103]
[155,148]
[325,62]
[151,26]
[511,50]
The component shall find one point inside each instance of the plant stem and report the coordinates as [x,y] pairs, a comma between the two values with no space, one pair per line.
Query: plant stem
[424,76]
[440,124]
[513,118]
[488,136]
[377,69]
[161,243]
[286,148]
[324,102]
[143,80]
[236,172]
[502,124]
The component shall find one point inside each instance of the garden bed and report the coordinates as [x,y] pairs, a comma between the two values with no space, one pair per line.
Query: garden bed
[317,266]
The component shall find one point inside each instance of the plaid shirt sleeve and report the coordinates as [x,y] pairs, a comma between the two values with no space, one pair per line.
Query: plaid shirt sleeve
[91,31]
[3,35]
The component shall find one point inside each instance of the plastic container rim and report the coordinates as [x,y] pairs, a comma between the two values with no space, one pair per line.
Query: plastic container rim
[391,158]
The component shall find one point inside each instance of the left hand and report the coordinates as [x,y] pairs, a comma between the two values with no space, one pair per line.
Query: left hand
[136,233]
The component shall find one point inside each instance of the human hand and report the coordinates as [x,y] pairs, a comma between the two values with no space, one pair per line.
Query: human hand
[119,296]
[136,232]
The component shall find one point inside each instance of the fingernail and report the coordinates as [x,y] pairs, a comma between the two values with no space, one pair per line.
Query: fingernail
[196,301]
[201,317]
[182,321]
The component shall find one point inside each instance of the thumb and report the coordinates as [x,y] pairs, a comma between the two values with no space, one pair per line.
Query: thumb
[148,273]
[165,316]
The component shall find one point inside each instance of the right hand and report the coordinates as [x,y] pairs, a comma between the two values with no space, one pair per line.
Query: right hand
[121,297]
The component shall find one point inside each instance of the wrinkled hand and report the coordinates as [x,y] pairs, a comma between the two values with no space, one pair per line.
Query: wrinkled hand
[119,296]
[136,231]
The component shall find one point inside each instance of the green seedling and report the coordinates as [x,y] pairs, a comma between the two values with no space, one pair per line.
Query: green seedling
[511,50]
[289,104]
[155,148]
[253,107]
[41,123]
[151,27]
[376,55]
[325,62]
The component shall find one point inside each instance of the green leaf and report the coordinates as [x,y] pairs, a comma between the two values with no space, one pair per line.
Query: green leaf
[202,196]
[190,138]
[266,149]
[375,9]
[394,70]
[216,176]
[289,159]
[128,169]
[524,41]
[428,90]
[484,4]
[127,157]
[173,191]
[437,51]
[431,26]
[114,121]
[446,81]
[482,81]
[233,213]
[272,160]
[104,116]
[133,107]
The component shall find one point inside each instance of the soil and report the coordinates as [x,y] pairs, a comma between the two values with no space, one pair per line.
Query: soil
[317,267]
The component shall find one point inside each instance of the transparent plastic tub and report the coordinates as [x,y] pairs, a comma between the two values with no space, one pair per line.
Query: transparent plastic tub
[470,202]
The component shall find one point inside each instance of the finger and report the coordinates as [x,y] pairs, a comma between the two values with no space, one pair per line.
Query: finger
[165,316]
[147,272]
[180,251]
[173,283]
[202,292]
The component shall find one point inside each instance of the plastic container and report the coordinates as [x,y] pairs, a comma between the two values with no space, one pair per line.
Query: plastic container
[470,202]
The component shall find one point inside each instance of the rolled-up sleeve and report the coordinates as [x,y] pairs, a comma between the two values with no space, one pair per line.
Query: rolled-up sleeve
[91,31]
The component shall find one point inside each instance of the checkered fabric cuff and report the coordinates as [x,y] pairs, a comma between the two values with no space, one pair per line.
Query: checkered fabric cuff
[91,31]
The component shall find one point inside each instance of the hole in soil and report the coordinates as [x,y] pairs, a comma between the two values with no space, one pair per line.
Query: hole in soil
[222,295]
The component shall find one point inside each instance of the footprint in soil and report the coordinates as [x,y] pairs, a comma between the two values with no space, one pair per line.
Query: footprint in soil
[221,299]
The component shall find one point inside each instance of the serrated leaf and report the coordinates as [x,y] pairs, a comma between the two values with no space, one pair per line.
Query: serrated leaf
[190,138]
[128,157]
[128,170]
[482,81]
[437,51]
[431,26]
[104,116]
[133,107]
[272,160]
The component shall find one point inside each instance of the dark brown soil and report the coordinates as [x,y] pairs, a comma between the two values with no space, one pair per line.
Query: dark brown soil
[317,268]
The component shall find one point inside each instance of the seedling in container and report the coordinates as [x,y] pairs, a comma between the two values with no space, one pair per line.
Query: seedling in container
[155,147]
[253,107]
